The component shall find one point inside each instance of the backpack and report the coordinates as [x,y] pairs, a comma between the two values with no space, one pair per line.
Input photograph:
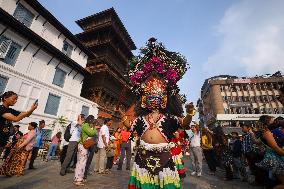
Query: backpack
[67,134]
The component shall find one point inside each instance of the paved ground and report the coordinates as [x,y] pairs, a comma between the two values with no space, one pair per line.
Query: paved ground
[46,176]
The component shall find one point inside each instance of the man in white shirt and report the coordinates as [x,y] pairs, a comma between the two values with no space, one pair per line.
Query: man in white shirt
[102,145]
[195,148]
[75,131]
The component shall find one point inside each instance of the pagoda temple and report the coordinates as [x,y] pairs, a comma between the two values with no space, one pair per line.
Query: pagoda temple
[105,35]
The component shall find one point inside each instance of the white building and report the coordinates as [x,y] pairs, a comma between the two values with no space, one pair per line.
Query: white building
[41,59]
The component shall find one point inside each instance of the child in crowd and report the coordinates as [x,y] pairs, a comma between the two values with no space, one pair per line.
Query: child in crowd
[178,155]
[110,153]
[238,165]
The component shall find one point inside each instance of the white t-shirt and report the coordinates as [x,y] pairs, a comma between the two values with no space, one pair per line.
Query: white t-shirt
[103,131]
[194,138]
[75,132]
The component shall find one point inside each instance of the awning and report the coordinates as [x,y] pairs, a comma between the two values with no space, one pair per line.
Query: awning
[104,114]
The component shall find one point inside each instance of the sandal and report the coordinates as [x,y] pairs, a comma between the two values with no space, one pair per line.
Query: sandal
[78,183]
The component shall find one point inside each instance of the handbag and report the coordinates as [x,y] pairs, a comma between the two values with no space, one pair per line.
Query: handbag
[88,143]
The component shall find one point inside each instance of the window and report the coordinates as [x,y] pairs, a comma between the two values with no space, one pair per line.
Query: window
[85,110]
[59,77]
[52,104]
[67,48]
[3,83]
[9,50]
[24,15]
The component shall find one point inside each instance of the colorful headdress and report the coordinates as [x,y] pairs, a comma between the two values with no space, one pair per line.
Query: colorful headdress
[154,59]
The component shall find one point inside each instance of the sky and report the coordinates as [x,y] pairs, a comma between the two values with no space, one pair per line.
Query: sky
[242,38]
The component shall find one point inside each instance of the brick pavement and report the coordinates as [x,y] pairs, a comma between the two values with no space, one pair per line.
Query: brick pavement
[46,176]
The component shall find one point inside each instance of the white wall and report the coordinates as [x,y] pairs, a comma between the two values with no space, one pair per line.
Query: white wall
[47,32]
[37,66]
[31,78]
[29,89]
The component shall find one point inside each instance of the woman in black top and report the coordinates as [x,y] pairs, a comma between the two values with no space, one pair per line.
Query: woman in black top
[9,115]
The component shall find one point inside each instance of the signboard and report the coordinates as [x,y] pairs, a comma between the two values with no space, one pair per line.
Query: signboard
[242,117]
[242,81]
[240,104]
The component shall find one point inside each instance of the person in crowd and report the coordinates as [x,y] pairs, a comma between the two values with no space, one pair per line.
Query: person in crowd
[249,141]
[94,149]
[16,161]
[226,157]
[196,150]
[75,132]
[178,154]
[125,149]
[275,126]
[118,142]
[87,130]
[110,153]
[218,134]
[64,150]
[208,151]
[102,145]
[9,115]
[155,121]
[238,165]
[12,141]
[273,159]
[55,140]
[12,160]
[37,144]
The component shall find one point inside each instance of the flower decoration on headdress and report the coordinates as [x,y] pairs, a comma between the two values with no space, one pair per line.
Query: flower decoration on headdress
[155,59]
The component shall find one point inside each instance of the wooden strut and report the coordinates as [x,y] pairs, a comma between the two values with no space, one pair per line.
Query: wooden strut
[57,65]
[36,51]
[37,16]
[75,75]
[44,22]
[27,45]
[50,60]
[70,71]
[3,31]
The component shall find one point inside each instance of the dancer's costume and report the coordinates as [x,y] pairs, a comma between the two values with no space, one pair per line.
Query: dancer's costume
[154,74]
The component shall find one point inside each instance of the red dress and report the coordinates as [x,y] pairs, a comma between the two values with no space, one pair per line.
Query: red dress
[178,156]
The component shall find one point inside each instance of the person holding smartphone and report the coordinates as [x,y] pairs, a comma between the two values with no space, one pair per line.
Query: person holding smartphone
[9,115]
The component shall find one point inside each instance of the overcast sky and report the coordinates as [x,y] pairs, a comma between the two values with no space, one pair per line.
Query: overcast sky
[243,38]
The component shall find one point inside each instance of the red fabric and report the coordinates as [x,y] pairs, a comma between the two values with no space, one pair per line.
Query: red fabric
[177,149]
[132,187]
[125,136]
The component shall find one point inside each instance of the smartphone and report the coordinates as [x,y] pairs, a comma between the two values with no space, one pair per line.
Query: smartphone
[36,102]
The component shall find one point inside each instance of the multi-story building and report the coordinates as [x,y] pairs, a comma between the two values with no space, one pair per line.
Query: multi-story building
[229,99]
[41,59]
[105,35]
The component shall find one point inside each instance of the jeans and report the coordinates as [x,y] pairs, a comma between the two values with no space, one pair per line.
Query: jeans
[125,148]
[34,156]
[197,159]
[51,151]
[89,160]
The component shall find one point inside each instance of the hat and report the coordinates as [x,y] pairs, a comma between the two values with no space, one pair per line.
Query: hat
[155,59]
[112,138]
